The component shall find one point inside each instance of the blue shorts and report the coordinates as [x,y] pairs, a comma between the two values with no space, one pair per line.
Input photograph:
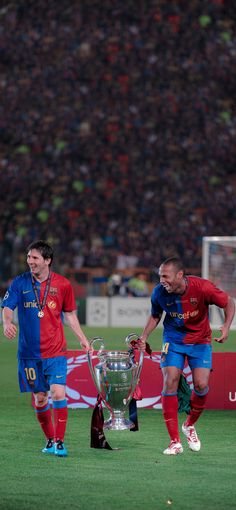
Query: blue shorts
[197,355]
[39,374]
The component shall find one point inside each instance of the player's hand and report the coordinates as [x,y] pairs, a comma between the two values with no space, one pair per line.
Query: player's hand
[86,346]
[224,335]
[142,343]
[10,331]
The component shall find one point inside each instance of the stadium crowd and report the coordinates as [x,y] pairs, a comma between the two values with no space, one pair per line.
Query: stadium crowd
[117,129]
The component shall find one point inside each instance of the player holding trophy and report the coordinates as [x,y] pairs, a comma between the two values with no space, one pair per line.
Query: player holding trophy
[186,335]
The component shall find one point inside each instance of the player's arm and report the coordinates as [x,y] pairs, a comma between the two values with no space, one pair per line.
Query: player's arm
[229,312]
[9,328]
[151,324]
[74,324]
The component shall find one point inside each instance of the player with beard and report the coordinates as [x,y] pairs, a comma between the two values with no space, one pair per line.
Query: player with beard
[186,335]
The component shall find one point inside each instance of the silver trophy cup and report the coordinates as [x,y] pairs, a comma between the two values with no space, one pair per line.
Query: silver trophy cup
[115,377]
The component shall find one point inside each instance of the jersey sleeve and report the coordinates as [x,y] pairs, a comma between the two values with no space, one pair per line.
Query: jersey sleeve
[156,309]
[10,299]
[69,304]
[214,295]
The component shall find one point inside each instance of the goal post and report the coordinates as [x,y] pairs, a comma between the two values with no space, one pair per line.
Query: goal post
[219,266]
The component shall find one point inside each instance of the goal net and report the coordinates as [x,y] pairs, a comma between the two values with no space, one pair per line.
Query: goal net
[219,266]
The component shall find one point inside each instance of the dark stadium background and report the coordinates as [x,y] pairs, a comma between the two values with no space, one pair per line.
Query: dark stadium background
[117,132]
[117,145]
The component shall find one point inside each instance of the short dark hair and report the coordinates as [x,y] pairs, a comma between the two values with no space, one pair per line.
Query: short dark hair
[44,248]
[175,261]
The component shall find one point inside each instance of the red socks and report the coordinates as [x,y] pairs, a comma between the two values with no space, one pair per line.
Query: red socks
[60,414]
[44,417]
[198,404]
[170,413]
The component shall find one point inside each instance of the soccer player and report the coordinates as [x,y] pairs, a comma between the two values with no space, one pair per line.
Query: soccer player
[186,335]
[41,296]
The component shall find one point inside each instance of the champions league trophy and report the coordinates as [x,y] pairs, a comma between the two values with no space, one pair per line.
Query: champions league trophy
[115,378]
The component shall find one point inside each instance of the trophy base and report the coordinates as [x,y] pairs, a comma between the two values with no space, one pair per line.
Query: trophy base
[118,423]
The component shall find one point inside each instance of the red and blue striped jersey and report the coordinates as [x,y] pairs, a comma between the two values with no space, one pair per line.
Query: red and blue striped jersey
[187,316]
[40,337]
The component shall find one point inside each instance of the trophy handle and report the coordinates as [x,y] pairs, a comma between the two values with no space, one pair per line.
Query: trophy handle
[99,354]
[98,339]
[129,338]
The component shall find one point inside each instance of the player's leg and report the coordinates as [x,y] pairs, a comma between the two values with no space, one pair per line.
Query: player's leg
[31,379]
[44,417]
[200,364]
[56,372]
[60,413]
[199,393]
[171,364]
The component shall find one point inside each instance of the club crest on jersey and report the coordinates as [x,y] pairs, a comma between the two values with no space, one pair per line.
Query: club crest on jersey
[193,301]
[52,305]
[53,291]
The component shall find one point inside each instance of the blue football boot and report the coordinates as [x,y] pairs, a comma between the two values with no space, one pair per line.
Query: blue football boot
[50,447]
[60,449]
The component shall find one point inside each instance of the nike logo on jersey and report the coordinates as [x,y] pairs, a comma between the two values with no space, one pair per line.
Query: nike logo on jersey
[170,304]
[59,376]
[26,291]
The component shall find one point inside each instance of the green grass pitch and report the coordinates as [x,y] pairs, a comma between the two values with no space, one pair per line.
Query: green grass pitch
[134,477]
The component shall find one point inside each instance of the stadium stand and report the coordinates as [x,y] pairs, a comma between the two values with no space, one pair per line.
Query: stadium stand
[117,130]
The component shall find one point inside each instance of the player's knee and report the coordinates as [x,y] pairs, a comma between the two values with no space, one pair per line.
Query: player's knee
[57,392]
[201,388]
[170,384]
[41,399]
[170,379]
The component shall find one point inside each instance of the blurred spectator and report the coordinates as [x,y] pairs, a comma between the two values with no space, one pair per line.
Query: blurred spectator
[115,286]
[137,286]
[117,129]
